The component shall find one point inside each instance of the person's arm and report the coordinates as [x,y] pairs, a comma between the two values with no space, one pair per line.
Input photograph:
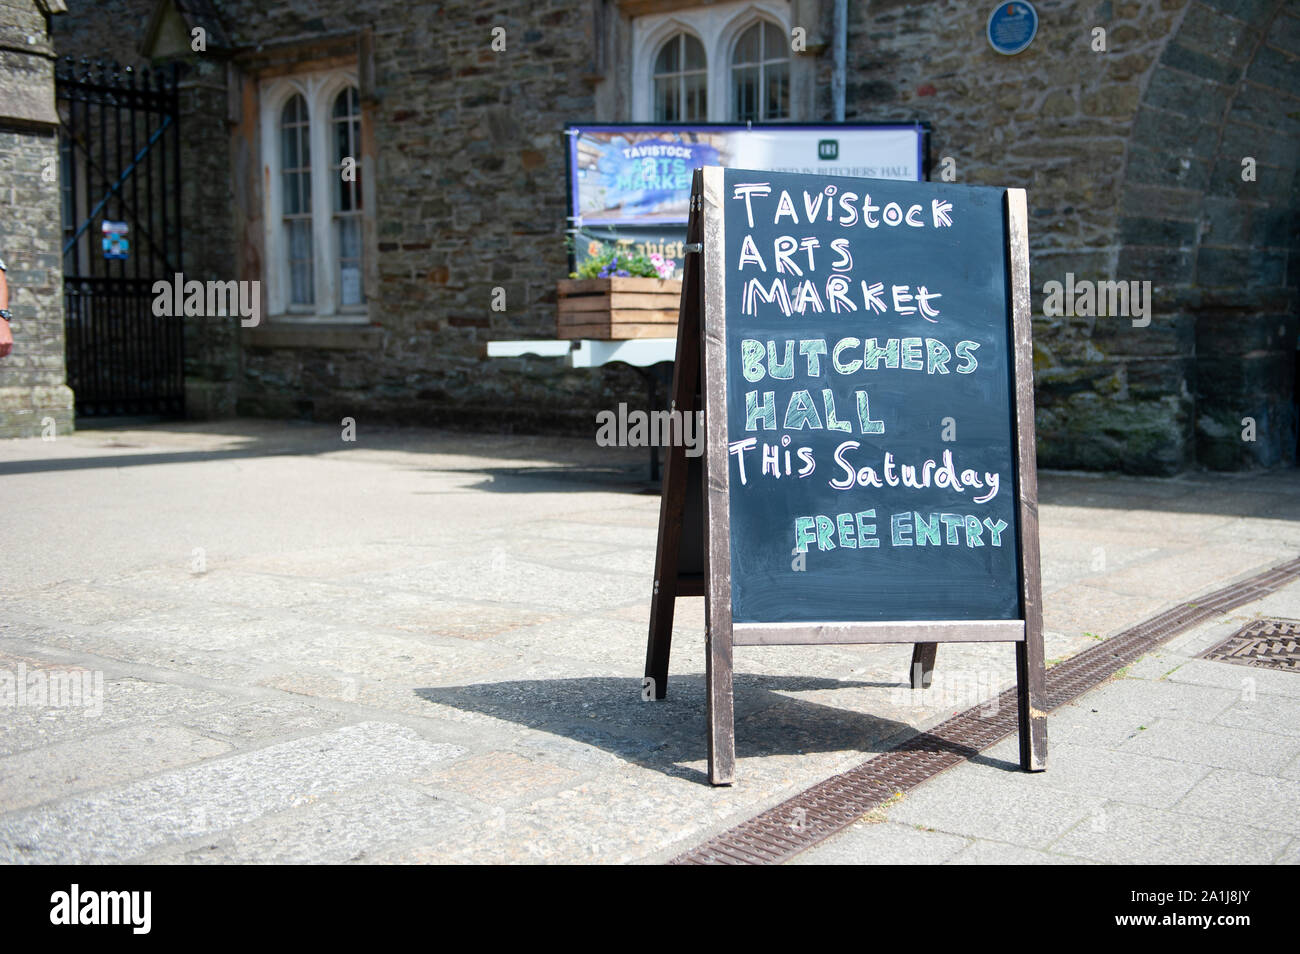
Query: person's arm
[6,336]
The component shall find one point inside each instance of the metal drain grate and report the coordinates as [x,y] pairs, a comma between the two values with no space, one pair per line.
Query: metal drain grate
[819,812]
[1265,644]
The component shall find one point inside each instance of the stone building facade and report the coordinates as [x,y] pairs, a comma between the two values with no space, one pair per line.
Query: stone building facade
[34,398]
[1157,140]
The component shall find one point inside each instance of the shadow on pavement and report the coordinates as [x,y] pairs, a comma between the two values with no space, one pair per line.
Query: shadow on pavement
[559,459]
[524,480]
[1270,494]
[134,460]
[669,735]
[550,464]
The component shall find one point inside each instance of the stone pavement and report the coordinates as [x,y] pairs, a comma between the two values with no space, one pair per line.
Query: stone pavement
[427,647]
[1177,759]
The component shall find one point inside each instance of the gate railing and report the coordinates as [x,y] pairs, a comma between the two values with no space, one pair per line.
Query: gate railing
[119,150]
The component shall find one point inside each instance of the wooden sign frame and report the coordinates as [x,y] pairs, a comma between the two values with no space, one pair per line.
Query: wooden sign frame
[700,383]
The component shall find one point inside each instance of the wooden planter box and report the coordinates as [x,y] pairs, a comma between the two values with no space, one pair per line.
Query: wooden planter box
[615,309]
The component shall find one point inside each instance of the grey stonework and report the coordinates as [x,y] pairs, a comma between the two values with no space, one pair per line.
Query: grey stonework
[208,223]
[33,392]
[1131,158]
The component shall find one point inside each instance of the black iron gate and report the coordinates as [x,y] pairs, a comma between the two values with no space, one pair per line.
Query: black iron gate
[119,149]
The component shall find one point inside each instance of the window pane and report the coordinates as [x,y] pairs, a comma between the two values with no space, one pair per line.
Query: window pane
[346,121]
[696,91]
[745,92]
[666,100]
[348,232]
[301,280]
[289,152]
[293,133]
[342,105]
[669,59]
[776,103]
[747,46]
[342,141]
[289,199]
[349,238]
[694,53]
[295,200]
[680,80]
[346,125]
[774,43]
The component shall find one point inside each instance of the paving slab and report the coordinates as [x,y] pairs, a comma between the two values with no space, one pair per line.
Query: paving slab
[1131,835]
[1260,801]
[1172,771]
[995,805]
[1218,746]
[427,646]
[886,843]
[982,852]
[123,821]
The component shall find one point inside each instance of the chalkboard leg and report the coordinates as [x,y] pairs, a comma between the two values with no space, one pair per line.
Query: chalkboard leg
[721,705]
[663,599]
[923,664]
[1031,677]
[1031,690]
[672,500]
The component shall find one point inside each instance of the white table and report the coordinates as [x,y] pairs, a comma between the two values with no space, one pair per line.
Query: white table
[644,354]
[587,353]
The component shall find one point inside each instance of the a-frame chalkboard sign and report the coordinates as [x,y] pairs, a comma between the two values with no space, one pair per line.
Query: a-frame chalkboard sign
[861,352]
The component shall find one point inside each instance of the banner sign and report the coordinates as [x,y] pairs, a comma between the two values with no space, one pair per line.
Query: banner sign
[631,184]
[641,175]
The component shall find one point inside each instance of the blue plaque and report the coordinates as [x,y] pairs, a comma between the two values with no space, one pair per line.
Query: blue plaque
[1012,27]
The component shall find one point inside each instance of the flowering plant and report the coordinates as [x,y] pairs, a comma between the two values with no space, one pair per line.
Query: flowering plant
[605,261]
[663,266]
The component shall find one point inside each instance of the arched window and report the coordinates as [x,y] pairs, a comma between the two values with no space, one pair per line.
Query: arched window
[760,74]
[295,207]
[681,82]
[315,229]
[345,135]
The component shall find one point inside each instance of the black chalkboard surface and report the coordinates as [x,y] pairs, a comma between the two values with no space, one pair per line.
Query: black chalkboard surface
[869,405]
[862,353]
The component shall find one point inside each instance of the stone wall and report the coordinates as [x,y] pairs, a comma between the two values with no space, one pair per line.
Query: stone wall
[1131,158]
[470,197]
[1212,217]
[208,205]
[1130,155]
[33,389]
